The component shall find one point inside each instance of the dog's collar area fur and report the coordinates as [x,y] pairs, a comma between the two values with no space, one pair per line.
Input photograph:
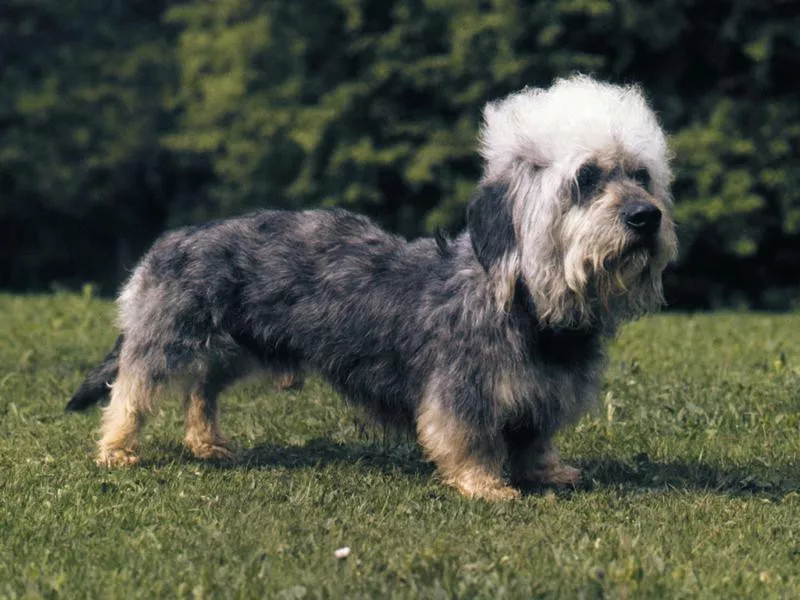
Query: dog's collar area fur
[568,346]
[523,302]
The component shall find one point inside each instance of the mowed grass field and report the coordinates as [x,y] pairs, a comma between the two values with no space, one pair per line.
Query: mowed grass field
[692,459]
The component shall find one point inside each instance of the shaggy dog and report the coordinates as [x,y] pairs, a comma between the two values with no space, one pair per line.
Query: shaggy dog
[485,345]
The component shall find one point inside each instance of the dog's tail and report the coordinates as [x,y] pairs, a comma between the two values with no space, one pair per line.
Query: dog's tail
[95,387]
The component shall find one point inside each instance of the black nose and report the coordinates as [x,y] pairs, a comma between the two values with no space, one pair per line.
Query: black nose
[642,217]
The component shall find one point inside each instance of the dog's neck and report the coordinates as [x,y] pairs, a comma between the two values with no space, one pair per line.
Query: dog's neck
[524,304]
[566,347]
[547,334]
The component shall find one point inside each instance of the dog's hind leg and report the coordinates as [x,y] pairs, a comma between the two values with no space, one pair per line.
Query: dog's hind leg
[131,401]
[288,379]
[201,412]
[467,461]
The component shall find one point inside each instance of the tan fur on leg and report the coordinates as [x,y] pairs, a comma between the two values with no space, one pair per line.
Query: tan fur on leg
[124,416]
[476,474]
[203,436]
[290,381]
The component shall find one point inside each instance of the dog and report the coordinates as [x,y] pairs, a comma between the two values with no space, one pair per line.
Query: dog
[484,345]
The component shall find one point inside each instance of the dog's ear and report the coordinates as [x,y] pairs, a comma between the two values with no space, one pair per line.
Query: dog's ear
[491,230]
[490,225]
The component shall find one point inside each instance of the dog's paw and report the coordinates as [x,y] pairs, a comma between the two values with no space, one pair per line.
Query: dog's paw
[557,475]
[209,451]
[117,457]
[498,494]
[486,488]
[562,476]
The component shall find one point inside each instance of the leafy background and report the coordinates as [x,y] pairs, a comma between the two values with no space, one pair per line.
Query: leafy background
[120,119]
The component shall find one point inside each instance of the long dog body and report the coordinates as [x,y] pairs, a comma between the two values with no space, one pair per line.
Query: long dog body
[484,345]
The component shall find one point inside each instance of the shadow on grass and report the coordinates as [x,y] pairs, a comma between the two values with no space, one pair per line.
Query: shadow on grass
[317,452]
[646,475]
[404,458]
[639,475]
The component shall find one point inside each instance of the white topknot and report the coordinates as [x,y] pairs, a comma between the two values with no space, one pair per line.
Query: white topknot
[567,123]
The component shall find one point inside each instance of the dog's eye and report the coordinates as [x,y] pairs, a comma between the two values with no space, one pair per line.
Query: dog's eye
[588,179]
[642,177]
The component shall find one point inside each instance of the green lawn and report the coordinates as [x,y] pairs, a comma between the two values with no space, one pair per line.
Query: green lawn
[692,457]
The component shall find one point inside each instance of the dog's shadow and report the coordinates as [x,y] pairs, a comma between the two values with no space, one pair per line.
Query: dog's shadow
[402,458]
[638,475]
[643,474]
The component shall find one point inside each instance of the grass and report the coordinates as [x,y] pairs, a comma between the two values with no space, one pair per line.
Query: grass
[692,455]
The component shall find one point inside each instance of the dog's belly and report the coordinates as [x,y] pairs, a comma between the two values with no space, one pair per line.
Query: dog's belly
[363,353]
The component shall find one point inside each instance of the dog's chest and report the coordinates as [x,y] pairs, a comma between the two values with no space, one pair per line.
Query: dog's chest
[570,349]
[554,380]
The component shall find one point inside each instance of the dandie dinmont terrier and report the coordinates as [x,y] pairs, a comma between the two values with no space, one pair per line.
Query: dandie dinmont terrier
[485,344]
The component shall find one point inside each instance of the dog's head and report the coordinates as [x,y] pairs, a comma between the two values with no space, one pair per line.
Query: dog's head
[575,202]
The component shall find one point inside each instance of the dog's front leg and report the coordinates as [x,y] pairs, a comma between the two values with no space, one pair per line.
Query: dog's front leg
[533,460]
[469,460]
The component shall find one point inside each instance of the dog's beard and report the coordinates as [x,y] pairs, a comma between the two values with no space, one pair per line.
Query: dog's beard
[628,285]
[623,275]
[604,280]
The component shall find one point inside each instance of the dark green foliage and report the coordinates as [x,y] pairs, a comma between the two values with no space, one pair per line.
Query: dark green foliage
[81,164]
[120,120]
